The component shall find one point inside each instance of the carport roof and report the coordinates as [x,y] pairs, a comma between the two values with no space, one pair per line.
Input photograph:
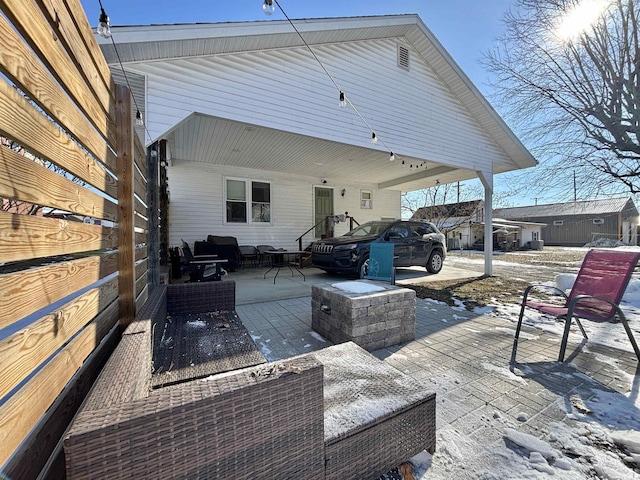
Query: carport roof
[157,42]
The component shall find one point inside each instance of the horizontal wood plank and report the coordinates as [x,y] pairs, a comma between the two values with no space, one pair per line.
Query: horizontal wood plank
[29,21]
[141,268]
[83,24]
[141,252]
[26,180]
[140,222]
[19,63]
[24,351]
[140,184]
[55,392]
[64,21]
[140,156]
[142,297]
[27,291]
[23,237]
[140,238]
[22,122]
[140,285]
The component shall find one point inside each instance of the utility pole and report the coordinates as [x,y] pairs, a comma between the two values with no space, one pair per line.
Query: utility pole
[575,198]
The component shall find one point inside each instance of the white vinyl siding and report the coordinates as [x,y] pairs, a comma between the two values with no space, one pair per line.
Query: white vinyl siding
[278,88]
[193,217]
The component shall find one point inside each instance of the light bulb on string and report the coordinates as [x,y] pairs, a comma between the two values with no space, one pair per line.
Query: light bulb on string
[267,7]
[392,157]
[343,101]
[374,138]
[411,167]
[403,164]
[139,120]
[104,26]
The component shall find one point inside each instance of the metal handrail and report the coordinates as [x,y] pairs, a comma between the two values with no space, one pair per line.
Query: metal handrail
[346,214]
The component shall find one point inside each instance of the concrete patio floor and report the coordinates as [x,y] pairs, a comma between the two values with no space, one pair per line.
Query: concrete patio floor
[463,355]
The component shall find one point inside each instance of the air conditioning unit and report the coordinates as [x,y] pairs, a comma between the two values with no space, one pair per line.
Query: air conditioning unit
[598,221]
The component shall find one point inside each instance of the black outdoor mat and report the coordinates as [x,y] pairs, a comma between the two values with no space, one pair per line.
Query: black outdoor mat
[198,345]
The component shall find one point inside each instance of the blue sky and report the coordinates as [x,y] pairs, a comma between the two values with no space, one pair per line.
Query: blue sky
[466,28]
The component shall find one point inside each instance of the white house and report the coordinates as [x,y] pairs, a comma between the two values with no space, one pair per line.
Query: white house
[259,147]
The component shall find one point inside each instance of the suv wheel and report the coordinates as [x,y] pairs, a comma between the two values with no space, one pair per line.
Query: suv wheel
[364,267]
[434,265]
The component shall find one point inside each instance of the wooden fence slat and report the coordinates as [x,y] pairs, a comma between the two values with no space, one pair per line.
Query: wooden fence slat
[140,157]
[141,252]
[140,222]
[23,411]
[83,25]
[23,237]
[25,350]
[65,21]
[140,184]
[26,291]
[141,267]
[142,297]
[21,121]
[139,207]
[140,238]
[140,285]
[26,180]
[30,22]
[19,63]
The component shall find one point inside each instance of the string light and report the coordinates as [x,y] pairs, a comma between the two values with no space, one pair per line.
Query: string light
[267,7]
[403,164]
[104,26]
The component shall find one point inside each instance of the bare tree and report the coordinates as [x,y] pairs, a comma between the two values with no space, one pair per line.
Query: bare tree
[571,92]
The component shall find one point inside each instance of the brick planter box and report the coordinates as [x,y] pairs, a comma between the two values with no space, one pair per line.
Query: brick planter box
[370,314]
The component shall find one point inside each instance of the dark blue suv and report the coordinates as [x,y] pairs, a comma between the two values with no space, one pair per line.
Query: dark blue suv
[414,243]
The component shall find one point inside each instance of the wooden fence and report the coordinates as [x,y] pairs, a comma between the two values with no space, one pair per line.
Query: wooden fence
[66,287]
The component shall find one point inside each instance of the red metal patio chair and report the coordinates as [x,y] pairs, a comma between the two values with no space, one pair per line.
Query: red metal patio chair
[595,296]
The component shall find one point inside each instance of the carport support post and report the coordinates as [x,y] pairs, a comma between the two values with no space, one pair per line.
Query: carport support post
[487,181]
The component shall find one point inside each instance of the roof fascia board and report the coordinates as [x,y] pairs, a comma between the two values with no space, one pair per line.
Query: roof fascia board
[171,32]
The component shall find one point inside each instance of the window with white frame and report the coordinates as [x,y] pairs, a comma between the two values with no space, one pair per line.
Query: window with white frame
[247,201]
[366,199]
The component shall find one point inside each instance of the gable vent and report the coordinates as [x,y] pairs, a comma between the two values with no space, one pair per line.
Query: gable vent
[403,57]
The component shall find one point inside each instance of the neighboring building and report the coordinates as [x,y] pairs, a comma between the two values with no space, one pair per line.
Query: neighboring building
[463,224]
[259,148]
[575,224]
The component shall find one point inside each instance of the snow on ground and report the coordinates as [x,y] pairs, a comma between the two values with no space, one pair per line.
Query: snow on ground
[606,418]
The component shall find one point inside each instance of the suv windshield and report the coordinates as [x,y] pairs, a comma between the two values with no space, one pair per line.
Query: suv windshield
[368,229]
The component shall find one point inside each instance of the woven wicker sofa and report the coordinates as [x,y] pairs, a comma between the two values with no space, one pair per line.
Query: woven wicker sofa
[268,421]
